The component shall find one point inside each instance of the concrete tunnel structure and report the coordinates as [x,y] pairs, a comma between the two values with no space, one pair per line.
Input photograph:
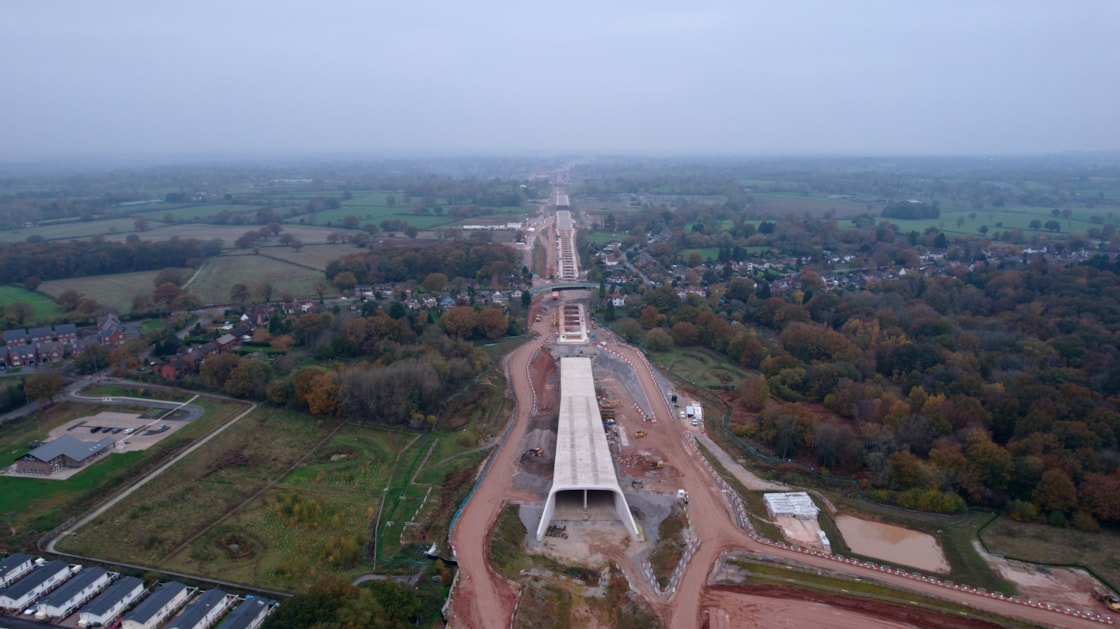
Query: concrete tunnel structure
[584,470]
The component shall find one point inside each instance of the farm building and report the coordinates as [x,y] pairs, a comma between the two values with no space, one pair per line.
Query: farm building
[109,603]
[204,611]
[70,596]
[41,580]
[250,614]
[797,504]
[161,603]
[65,451]
[13,567]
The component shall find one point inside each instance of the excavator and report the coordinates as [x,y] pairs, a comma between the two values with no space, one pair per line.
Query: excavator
[1110,600]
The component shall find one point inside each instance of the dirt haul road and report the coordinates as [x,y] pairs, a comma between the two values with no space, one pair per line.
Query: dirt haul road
[482,597]
[721,533]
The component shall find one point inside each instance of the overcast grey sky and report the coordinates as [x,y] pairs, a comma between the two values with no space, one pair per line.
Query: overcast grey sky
[592,76]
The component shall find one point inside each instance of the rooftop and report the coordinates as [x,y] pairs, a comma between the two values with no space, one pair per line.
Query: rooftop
[110,597]
[156,601]
[74,586]
[34,579]
[70,447]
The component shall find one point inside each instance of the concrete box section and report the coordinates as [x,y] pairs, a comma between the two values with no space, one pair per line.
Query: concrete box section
[583,466]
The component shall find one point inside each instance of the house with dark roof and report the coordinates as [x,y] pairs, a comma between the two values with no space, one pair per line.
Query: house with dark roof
[12,337]
[161,603]
[20,354]
[13,567]
[65,451]
[250,614]
[50,351]
[110,332]
[66,333]
[203,611]
[41,580]
[40,334]
[112,601]
[70,596]
[175,367]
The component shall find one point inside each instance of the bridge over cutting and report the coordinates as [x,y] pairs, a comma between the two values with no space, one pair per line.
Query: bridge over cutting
[583,480]
[563,286]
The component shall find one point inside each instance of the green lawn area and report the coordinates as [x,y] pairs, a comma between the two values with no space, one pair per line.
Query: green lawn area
[42,308]
[599,237]
[699,365]
[219,274]
[115,291]
[707,254]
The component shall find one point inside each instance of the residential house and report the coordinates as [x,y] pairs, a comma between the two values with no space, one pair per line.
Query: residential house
[203,611]
[66,333]
[250,614]
[157,607]
[13,567]
[41,580]
[70,596]
[103,609]
[20,355]
[40,334]
[110,332]
[50,351]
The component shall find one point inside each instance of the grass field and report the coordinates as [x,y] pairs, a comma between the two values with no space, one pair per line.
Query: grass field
[228,234]
[700,366]
[1046,544]
[318,256]
[33,506]
[191,213]
[156,520]
[42,308]
[219,274]
[115,291]
[707,254]
[76,229]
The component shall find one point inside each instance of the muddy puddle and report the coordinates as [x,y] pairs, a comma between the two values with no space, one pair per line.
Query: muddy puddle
[892,543]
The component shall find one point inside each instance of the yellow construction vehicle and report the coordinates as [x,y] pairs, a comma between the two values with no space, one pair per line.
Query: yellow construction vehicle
[640,434]
[1108,598]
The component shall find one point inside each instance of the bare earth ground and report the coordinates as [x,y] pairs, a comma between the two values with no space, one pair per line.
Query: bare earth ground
[776,606]
[1064,586]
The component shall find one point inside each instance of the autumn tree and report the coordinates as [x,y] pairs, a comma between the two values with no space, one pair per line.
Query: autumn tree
[43,386]
[754,393]
[1056,491]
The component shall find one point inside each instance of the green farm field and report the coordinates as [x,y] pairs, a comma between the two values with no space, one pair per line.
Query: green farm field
[71,230]
[371,214]
[195,212]
[317,256]
[42,308]
[115,290]
[228,234]
[219,275]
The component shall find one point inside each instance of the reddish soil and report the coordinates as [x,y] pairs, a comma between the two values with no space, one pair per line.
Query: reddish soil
[787,606]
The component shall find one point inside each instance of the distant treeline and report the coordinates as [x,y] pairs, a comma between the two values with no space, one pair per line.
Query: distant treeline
[97,256]
[912,210]
[466,259]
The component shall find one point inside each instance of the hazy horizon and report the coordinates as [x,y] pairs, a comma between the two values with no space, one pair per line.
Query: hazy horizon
[351,81]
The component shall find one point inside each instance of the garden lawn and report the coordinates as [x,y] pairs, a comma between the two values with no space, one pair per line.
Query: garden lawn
[700,366]
[42,308]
